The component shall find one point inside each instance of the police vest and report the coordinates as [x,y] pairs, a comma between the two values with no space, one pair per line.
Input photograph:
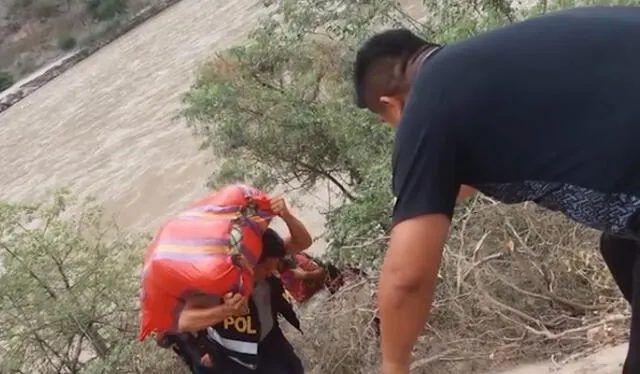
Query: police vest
[238,337]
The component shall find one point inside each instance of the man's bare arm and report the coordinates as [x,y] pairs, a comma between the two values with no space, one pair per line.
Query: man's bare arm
[407,285]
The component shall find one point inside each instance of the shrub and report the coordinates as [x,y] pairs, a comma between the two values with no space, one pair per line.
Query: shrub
[69,291]
[104,10]
[45,8]
[6,80]
[66,43]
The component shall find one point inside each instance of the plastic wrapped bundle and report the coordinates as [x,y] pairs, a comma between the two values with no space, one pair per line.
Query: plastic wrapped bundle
[203,253]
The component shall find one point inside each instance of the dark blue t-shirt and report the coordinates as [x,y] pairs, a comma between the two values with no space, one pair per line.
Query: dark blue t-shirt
[546,110]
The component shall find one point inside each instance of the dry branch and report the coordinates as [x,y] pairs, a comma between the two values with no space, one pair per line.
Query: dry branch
[516,282]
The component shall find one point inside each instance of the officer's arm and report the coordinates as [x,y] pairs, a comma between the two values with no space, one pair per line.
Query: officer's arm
[300,238]
[196,319]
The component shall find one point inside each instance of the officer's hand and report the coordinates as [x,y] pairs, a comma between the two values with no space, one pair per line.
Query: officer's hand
[206,361]
[237,305]
[279,206]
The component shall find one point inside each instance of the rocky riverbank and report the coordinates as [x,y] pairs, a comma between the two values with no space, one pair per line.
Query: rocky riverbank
[25,89]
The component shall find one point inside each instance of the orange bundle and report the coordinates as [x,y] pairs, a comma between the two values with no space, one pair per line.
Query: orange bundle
[206,251]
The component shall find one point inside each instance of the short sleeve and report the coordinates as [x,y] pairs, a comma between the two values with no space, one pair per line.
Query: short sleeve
[424,162]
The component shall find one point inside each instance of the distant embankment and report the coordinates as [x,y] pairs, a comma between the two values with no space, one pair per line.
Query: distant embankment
[19,93]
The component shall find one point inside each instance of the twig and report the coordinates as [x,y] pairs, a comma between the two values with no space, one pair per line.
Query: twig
[553,298]
[428,360]
[476,264]
[367,244]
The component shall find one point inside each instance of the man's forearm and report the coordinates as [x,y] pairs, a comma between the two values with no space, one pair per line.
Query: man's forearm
[407,283]
[194,320]
[404,310]
[300,238]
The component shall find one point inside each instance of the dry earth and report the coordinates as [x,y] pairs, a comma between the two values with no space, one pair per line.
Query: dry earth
[607,361]
[105,128]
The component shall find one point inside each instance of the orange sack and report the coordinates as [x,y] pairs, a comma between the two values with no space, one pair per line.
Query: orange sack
[203,253]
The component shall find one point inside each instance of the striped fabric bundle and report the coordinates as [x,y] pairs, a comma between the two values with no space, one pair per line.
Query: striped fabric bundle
[203,253]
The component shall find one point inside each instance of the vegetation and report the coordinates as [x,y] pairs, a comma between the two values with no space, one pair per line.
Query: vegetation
[105,10]
[6,80]
[280,109]
[67,43]
[69,291]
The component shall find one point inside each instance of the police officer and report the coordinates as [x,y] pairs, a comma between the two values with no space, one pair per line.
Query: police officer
[254,342]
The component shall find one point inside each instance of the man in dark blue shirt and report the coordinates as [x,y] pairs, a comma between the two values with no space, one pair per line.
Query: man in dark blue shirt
[544,110]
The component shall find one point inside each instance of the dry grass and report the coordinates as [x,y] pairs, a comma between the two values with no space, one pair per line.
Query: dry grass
[517,283]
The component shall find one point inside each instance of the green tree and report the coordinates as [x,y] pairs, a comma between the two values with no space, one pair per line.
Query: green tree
[69,291]
[279,110]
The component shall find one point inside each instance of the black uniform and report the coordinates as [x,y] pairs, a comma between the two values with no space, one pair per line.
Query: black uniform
[236,344]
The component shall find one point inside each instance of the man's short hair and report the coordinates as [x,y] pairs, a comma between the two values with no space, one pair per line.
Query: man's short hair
[273,245]
[381,64]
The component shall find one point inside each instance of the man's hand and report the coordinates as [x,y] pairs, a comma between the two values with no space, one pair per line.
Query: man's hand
[407,284]
[235,304]
[279,207]
[391,368]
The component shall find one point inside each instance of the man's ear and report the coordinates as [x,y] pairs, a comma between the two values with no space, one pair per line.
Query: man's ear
[385,101]
[395,101]
[390,109]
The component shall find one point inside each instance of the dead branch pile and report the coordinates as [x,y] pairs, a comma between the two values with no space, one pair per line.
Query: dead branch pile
[517,283]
